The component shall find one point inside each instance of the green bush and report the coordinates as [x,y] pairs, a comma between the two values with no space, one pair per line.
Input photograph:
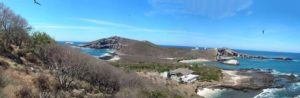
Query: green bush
[207,73]
[149,66]
[155,94]
[41,38]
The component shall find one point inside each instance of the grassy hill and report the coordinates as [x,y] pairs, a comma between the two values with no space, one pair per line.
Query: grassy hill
[145,51]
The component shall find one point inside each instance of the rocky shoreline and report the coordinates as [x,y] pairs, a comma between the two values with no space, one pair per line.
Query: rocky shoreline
[229,53]
[250,79]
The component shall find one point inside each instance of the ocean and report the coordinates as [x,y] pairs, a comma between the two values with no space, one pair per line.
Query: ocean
[275,65]
[291,90]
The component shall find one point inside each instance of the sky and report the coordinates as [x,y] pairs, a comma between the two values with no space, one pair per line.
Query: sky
[234,24]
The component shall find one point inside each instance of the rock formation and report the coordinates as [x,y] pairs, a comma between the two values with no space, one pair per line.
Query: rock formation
[225,53]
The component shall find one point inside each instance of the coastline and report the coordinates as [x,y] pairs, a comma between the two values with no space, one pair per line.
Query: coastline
[237,82]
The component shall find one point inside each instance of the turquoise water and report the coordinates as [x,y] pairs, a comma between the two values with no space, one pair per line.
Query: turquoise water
[95,52]
[90,51]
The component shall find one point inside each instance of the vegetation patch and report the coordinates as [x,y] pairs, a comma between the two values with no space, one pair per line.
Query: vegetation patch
[206,73]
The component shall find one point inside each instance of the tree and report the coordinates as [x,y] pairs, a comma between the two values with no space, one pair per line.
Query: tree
[13,27]
[41,38]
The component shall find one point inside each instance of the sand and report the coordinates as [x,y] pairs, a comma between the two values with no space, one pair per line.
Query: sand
[115,58]
[231,76]
[209,92]
[194,61]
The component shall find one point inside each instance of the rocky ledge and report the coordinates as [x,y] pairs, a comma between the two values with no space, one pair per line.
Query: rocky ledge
[226,53]
[251,79]
[105,43]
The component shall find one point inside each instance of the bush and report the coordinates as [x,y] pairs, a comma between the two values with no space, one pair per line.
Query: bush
[43,83]
[4,65]
[41,38]
[14,28]
[207,73]
[149,66]
[25,92]
[69,64]
[3,80]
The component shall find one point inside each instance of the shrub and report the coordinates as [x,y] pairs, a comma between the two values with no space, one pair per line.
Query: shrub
[14,28]
[41,38]
[25,92]
[43,83]
[155,94]
[2,79]
[207,73]
[148,66]
[3,64]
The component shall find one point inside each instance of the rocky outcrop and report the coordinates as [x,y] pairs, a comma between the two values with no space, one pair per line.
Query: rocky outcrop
[226,53]
[106,43]
[252,79]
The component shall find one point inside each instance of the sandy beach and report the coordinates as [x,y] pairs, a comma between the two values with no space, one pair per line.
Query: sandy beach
[194,61]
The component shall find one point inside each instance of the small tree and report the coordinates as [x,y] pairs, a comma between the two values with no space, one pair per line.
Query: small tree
[41,38]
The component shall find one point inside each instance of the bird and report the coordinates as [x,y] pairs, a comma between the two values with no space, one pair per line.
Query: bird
[263,32]
[36,2]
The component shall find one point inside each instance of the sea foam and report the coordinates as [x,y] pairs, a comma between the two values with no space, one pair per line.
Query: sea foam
[288,91]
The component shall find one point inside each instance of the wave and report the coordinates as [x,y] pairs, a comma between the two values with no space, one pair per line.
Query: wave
[296,60]
[210,92]
[276,72]
[290,91]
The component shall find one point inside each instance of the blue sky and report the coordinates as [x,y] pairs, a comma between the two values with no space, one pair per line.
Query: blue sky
[208,23]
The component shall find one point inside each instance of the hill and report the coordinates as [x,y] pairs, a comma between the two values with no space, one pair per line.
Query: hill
[145,51]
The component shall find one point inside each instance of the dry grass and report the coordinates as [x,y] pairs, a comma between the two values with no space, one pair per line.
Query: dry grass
[188,90]
[11,63]
[17,80]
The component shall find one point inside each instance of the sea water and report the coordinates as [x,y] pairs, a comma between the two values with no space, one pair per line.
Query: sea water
[89,51]
[291,90]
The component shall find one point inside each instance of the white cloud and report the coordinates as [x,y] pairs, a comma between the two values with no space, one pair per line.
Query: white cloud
[210,8]
[108,23]
[129,27]
[65,27]
[106,26]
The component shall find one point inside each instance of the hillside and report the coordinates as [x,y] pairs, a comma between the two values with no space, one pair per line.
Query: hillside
[134,50]
[32,65]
